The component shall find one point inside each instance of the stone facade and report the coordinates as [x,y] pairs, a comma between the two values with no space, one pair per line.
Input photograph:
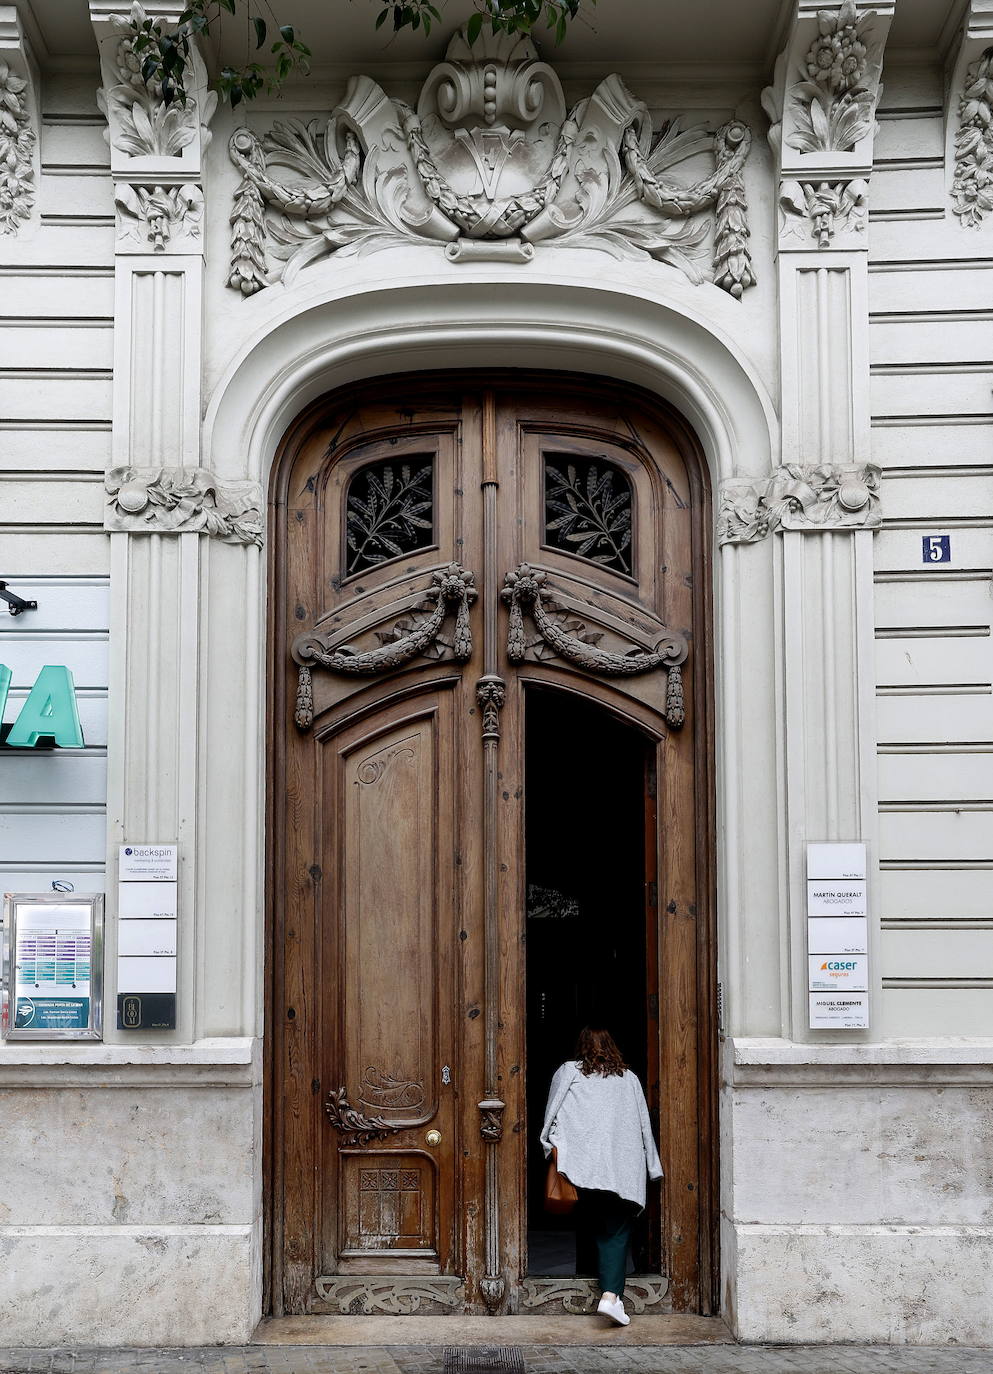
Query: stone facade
[802,268]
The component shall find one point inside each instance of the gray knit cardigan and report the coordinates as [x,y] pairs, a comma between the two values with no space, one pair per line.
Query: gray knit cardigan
[599,1125]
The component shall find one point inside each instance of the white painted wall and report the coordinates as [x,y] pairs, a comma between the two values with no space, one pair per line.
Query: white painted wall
[931,349]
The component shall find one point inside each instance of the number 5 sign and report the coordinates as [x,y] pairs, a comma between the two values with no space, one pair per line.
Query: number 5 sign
[937,548]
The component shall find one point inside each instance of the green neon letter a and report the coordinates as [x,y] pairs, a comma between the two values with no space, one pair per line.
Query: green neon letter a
[49,710]
[4,687]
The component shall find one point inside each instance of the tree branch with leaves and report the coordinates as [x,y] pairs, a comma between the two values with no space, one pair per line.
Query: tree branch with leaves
[163,49]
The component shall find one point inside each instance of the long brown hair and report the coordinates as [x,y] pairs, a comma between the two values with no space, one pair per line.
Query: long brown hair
[596,1052]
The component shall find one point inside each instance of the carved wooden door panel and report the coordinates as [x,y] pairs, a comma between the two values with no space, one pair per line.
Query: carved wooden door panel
[442,546]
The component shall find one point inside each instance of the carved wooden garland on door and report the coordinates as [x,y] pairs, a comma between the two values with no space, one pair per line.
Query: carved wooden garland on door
[452,588]
[524,589]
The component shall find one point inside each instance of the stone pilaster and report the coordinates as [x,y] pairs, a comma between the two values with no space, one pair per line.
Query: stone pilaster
[822,107]
[160,501]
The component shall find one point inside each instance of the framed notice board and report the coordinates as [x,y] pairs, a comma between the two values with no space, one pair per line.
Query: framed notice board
[53,966]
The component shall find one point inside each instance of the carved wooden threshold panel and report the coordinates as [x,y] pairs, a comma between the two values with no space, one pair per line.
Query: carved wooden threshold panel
[524,589]
[452,588]
[579,1296]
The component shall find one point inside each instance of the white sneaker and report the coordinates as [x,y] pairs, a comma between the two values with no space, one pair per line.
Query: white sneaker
[614,1310]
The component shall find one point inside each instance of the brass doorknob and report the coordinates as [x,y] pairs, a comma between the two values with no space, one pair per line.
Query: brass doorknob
[433,1137]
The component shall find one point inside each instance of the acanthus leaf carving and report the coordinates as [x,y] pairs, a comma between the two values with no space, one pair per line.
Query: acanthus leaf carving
[525,589]
[158,216]
[796,497]
[972,183]
[355,1127]
[489,162]
[183,501]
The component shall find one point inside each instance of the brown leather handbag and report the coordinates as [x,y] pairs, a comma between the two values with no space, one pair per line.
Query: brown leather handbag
[560,1195]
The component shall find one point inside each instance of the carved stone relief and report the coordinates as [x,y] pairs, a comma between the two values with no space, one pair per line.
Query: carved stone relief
[822,112]
[183,501]
[794,497]
[140,123]
[19,125]
[158,217]
[819,210]
[491,163]
[17,151]
[972,184]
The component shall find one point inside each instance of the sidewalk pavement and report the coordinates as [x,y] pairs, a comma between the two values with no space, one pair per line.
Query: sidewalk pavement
[423,1359]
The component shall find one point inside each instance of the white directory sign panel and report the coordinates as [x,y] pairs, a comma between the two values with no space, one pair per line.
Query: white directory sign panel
[147,938]
[838,935]
[839,1011]
[838,972]
[147,901]
[835,861]
[148,863]
[834,897]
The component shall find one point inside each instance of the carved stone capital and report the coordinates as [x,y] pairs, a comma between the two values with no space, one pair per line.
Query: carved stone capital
[150,140]
[183,501]
[158,219]
[822,112]
[18,125]
[969,124]
[824,497]
[490,164]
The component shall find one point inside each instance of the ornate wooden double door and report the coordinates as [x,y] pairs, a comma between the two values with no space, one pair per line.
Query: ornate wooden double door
[489,749]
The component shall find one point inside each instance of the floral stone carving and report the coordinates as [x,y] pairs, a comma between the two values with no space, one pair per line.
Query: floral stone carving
[835,99]
[17,144]
[490,164]
[183,501]
[141,123]
[794,497]
[972,184]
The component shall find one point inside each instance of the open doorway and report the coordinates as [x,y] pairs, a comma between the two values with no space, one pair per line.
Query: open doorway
[590,933]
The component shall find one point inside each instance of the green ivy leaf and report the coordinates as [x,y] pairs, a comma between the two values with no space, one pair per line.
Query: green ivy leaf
[474,27]
[260,32]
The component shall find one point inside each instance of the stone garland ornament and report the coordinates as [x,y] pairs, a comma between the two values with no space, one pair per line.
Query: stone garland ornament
[794,497]
[183,501]
[140,122]
[17,145]
[490,164]
[972,183]
[525,589]
[153,214]
[452,588]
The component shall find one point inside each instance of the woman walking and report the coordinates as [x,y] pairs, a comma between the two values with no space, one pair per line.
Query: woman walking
[597,1122]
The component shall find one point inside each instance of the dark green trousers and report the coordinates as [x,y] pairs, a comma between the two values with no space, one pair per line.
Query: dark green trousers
[603,1234]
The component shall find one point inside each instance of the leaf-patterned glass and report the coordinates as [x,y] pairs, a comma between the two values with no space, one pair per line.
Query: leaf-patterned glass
[588,510]
[389,511]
